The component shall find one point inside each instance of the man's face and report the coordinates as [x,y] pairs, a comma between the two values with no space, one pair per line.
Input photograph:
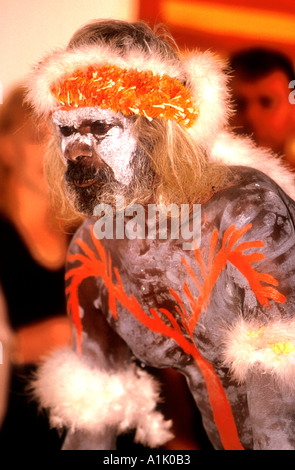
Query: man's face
[98,148]
[263,109]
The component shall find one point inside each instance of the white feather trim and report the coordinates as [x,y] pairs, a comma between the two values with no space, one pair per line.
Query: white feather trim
[80,397]
[208,83]
[270,349]
[235,150]
[202,72]
[64,62]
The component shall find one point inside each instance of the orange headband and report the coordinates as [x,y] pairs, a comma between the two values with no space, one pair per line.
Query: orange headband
[128,91]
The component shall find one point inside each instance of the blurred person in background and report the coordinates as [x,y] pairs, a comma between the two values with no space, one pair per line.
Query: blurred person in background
[260,86]
[32,256]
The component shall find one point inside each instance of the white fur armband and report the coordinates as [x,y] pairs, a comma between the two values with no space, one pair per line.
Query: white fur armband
[270,349]
[81,397]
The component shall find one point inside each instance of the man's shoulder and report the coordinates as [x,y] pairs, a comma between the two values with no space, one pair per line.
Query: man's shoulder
[250,187]
[83,235]
[249,199]
[247,178]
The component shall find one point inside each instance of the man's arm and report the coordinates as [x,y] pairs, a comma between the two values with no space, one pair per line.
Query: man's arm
[260,343]
[96,391]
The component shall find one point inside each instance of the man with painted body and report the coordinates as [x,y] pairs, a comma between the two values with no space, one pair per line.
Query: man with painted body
[220,312]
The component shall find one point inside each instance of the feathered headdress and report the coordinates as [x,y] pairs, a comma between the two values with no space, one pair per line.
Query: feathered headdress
[191,90]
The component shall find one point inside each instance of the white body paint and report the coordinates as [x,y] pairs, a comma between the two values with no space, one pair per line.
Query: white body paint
[115,148]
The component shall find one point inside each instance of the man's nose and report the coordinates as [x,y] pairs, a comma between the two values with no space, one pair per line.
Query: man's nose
[254,116]
[78,151]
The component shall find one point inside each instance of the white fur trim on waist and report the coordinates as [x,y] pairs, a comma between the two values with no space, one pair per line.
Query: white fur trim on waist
[81,397]
[269,348]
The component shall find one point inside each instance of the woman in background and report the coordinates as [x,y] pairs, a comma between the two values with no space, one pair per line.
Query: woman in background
[32,256]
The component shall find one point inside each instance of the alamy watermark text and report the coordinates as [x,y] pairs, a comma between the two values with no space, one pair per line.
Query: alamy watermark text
[156,221]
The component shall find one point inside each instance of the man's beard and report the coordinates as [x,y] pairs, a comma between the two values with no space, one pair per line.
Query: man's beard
[87,186]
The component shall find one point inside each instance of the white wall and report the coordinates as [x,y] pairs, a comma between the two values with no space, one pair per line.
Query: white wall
[31,28]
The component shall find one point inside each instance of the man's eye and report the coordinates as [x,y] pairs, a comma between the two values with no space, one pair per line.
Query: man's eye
[66,131]
[100,128]
[266,102]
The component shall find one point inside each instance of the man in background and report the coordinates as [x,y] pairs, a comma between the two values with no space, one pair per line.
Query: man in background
[260,84]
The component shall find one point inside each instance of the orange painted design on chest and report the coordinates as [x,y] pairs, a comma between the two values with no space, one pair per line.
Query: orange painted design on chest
[98,264]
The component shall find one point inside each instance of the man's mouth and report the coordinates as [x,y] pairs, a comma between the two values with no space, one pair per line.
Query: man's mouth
[84,183]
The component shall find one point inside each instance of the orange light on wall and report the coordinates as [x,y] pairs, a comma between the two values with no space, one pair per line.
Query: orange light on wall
[224,19]
[225,25]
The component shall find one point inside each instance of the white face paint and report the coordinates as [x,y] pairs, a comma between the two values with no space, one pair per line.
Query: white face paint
[115,145]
